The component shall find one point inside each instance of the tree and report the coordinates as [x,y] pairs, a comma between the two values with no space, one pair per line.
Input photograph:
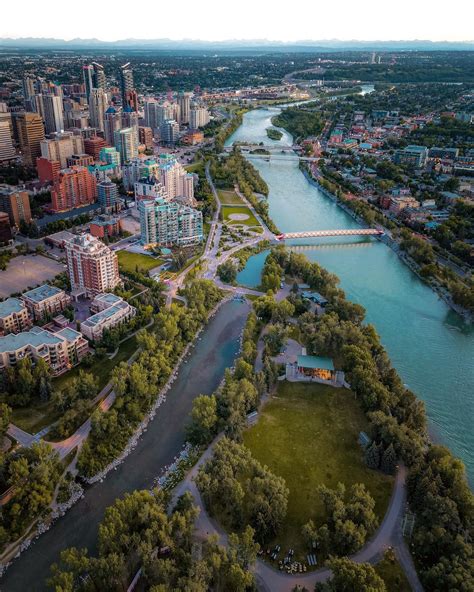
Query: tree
[349,576]
[5,415]
[275,338]
[372,456]
[227,271]
[202,427]
[389,460]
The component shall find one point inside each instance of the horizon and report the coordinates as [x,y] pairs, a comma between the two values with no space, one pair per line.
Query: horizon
[213,22]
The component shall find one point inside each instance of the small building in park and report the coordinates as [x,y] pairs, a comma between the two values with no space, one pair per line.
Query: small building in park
[316,367]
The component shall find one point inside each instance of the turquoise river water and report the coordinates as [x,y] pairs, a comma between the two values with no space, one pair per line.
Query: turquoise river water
[431,347]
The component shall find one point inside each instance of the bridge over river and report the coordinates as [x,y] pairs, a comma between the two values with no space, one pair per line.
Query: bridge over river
[327,233]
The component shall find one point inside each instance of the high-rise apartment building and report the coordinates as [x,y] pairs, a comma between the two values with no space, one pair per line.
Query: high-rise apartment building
[75,187]
[198,116]
[126,143]
[94,145]
[169,131]
[97,107]
[92,266]
[145,136]
[127,87]
[112,123]
[184,102]
[53,114]
[30,134]
[5,230]
[138,168]
[16,203]
[98,76]
[176,180]
[150,188]
[48,170]
[107,194]
[61,146]
[169,223]
[29,90]
[110,156]
[7,151]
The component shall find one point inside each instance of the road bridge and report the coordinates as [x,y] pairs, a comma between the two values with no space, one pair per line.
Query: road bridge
[328,233]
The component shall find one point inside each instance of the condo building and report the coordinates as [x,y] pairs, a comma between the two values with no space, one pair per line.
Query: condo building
[16,203]
[110,311]
[7,151]
[30,134]
[45,301]
[126,143]
[14,316]
[75,187]
[60,146]
[92,266]
[169,223]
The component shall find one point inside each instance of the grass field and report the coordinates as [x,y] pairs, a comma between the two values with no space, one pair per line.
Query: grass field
[195,167]
[228,196]
[392,574]
[308,435]
[227,211]
[130,261]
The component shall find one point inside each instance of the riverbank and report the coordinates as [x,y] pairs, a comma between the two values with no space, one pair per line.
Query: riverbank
[395,246]
[160,444]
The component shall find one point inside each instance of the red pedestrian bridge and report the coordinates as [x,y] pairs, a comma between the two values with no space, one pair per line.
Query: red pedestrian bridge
[325,233]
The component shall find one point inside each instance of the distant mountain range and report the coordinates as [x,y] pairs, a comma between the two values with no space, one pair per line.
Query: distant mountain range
[238,45]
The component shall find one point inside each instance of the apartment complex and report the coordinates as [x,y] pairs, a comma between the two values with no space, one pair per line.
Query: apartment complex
[92,266]
[60,350]
[16,203]
[14,316]
[75,187]
[7,151]
[110,311]
[126,143]
[198,116]
[169,223]
[45,301]
[61,146]
[107,194]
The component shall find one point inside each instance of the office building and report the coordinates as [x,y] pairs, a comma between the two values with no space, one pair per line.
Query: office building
[184,102]
[111,311]
[126,143]
[198,117]
[97,108]
[30,134]
[92,266]
[7,151]
[145,136]
[61,146]
[28,86]
[16,203]
[45,301]
[112,123]
[60,350]
[53,114]
[169,131]
[169,223]
[107,194]
[74,188]
[14,316]
[151,114]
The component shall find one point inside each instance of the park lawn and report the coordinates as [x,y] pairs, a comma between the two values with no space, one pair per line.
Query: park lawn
[195,167]
[308,434]
[35,417]
[129,262]
[228,196]
[391,572]
[227,211]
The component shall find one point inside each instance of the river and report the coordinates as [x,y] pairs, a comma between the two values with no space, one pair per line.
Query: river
[431,347]
[200,373]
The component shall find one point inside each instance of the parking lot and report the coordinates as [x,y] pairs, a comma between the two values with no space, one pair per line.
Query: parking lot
[27,271]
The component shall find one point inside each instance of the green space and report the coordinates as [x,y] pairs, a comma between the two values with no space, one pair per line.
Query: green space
[228,211]
[132,262]
[274,134]
[195,167]
[100,368]
[308,434]
[392,573]
[35,417]
[228,196]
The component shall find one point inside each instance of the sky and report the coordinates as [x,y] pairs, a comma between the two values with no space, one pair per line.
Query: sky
[216,20]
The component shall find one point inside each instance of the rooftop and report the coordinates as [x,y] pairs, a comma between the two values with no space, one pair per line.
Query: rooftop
[9,306]
[108,298]
[105,314]
[35,337]
[42,293]
[316,362]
